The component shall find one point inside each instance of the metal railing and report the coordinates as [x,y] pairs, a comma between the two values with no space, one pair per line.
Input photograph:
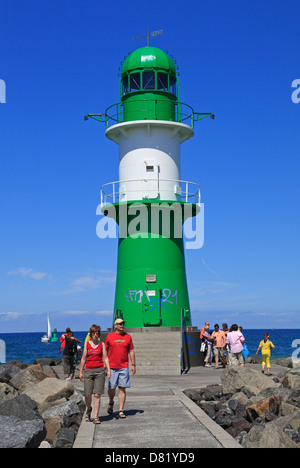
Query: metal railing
[183,113]
[184,191]
[182,329]
[184,355]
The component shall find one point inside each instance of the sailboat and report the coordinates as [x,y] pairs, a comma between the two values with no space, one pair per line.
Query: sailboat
[47,337]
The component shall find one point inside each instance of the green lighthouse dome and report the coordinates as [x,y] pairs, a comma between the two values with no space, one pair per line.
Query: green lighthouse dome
[148,57]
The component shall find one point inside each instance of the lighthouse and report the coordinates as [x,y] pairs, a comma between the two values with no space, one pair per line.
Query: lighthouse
[149,200]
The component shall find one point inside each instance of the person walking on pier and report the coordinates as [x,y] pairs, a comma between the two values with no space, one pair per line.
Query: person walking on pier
[93,373]
[119,347]
[235,340]
[265,346]
[206,338]
[69,355]
[219,345]
[63,342]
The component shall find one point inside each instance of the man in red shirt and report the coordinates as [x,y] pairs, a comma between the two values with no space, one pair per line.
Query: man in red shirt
[119,345]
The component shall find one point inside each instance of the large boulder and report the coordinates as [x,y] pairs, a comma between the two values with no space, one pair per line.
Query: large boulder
[274,434]
[7,372]
[15,433]
[268,436]
[261,406]
[28,377]
[236,379]
[50,371]
[49,391]
[67,414]
[292,380]
[67,409]
[52,427]
[284,362]
[21,407]
[290,362]
[65,437]
[292,420]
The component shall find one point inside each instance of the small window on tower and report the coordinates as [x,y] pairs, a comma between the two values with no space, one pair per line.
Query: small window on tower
[148,80]
[162,81]
[149,168]
[172,85]
[135,82]
[125,85]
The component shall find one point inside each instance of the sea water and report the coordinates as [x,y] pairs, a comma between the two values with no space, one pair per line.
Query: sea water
[27,347]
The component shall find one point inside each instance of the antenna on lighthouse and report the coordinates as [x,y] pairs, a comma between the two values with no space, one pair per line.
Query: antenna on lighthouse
[159,32]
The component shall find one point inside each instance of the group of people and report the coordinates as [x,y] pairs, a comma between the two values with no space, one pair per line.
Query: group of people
[229,348]
[112,359]
[98,360]
[227,345]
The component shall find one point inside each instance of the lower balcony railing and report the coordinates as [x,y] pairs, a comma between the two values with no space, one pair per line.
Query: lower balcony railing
[150,189]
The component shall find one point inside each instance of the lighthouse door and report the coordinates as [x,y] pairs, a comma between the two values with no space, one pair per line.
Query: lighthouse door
[150,180]
[152,308]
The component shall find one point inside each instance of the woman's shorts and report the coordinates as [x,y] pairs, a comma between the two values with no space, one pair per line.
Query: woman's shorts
[94,381]
[119,378]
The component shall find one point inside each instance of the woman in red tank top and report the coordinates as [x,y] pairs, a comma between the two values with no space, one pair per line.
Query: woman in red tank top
[94,353]
[93,360]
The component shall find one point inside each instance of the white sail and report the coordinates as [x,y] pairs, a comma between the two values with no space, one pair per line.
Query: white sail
[48,327]
[47,337]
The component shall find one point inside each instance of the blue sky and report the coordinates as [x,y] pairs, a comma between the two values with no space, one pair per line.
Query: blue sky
[59,61]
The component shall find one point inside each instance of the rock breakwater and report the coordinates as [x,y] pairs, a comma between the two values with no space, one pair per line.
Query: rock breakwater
[37,409]
[258,411]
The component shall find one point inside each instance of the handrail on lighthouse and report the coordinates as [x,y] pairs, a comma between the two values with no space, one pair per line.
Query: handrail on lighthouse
[188,192]
[184,113]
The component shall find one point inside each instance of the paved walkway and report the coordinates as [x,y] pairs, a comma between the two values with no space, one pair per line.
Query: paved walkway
[159,415]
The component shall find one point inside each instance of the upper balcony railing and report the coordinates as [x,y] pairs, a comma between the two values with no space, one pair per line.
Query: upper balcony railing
[160,189]
[183,113]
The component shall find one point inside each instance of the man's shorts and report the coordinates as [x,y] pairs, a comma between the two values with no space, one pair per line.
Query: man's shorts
[219,351]
[119,378]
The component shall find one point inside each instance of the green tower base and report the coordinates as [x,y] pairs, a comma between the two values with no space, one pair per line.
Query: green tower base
[151,286]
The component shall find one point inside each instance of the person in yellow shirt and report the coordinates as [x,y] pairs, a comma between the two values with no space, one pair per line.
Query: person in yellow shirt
[265,346]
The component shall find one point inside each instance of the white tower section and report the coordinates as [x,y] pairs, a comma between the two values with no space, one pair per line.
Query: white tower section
[149,159]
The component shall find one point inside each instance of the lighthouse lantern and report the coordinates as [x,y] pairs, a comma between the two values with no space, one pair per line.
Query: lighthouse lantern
[149,85]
